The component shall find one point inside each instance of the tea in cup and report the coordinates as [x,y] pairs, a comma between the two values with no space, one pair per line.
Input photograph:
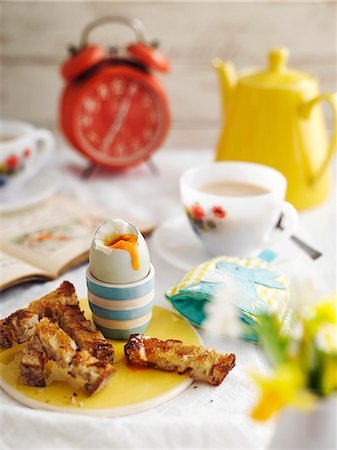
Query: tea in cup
[233,207]
[25,150]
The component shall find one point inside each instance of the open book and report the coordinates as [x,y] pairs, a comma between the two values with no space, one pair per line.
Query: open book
[44,241]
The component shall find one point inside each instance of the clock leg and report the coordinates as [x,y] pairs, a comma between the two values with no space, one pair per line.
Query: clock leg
[153,167]
[89,170]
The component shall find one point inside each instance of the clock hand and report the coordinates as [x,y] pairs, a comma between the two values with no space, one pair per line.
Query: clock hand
[117,123]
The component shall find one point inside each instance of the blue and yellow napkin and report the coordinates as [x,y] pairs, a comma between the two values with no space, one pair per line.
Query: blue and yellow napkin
[259,288]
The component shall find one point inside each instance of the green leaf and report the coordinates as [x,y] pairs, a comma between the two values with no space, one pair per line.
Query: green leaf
[274,344]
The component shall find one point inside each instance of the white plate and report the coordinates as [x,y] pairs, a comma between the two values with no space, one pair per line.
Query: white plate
[175,241]
[31,193]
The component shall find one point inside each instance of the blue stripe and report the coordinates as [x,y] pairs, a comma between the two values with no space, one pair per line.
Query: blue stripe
[112,333]
[121,314]
[125,293]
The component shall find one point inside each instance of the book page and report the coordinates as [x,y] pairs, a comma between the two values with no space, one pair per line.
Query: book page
[14,270]
[51,235]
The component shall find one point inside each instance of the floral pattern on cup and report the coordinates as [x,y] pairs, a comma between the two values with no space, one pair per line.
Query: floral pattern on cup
[14,163]
[202,220]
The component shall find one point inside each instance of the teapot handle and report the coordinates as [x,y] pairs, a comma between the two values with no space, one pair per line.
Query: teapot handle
[305,111]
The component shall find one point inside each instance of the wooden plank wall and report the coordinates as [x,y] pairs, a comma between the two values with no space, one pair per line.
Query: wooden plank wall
[34,37]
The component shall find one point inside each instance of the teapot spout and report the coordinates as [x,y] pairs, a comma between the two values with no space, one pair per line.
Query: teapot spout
[228,80]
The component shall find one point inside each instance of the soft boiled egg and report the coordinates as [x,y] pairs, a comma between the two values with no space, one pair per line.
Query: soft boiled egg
[119,253]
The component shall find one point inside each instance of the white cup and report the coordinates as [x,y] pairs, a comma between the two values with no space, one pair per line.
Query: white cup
[237,225]
[25,150]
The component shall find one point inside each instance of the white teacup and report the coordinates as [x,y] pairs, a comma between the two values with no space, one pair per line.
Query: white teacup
[233,207]
[25,150]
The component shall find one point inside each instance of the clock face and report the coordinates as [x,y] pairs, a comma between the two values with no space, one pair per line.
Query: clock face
[120,118]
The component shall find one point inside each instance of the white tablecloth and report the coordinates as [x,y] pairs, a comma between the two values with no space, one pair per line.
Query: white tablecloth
[206,417]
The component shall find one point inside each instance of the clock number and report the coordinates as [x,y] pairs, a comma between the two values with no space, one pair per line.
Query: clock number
[120,150]
[117,86]
[85,121]
[93,137]
[147,133]
[146,101]
[152,117]
[102,91]
[135,144]
[89,104]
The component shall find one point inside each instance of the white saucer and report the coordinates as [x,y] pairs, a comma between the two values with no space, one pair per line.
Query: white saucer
[176,243]
[29,194]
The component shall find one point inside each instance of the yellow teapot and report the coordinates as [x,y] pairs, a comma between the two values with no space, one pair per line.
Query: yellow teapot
[272,117]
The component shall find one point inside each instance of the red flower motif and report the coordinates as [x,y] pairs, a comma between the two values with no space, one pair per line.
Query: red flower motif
[12,161]
[26,153]
[219,212]
[197,211]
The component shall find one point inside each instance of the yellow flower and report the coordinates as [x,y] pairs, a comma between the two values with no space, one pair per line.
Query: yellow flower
[285,387]
[329,378]
[325,311]
[320,314]
[326,338]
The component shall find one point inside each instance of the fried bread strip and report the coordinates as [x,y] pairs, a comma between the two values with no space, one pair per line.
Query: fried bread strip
[48,305]
[62,306]
[33,364]
[97,374]
[58,346]
[6,339]
[201,363]
[87,337]
[18,327]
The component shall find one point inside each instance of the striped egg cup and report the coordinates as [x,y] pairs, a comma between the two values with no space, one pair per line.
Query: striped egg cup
[119,310]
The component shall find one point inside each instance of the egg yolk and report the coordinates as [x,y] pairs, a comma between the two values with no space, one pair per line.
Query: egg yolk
[126,242]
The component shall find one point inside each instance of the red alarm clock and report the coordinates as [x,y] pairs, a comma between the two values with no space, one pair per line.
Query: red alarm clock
[113,109]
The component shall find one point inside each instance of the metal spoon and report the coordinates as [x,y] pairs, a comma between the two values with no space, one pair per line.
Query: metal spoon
[314,254]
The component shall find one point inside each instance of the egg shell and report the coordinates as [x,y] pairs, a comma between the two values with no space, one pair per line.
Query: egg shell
[115,266]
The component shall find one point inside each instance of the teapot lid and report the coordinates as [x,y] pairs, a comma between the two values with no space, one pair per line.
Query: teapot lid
[277,74]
